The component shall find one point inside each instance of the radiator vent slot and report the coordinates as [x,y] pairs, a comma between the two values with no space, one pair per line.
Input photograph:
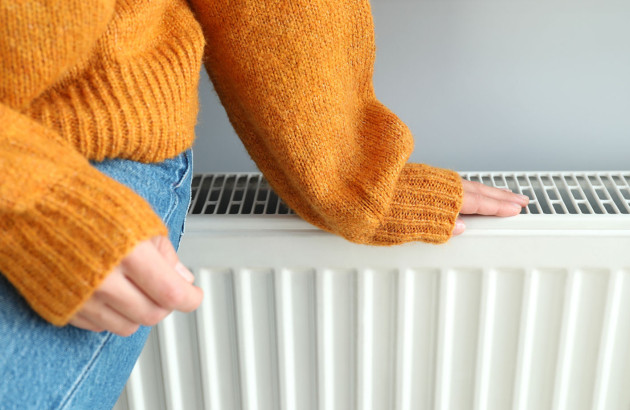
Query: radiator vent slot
[550,192]
[235,194]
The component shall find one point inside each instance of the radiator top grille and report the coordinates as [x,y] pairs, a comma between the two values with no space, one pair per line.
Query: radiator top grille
[235,194]
[549,192]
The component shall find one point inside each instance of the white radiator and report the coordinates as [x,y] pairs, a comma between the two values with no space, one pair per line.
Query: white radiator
[530,312]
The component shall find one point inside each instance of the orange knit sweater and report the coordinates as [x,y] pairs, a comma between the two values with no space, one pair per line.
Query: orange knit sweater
[95,79]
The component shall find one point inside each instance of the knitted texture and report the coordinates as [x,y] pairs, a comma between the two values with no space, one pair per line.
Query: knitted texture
[296,80]
[96,79]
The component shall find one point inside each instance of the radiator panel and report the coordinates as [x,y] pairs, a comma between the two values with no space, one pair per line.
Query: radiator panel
[405,339]
[524,313]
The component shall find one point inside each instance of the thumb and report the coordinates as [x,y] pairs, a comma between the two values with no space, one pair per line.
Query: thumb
[165,248]
[460,226]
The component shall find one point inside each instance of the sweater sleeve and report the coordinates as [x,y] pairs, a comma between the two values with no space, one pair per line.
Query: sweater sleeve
[295,77]
[63,224]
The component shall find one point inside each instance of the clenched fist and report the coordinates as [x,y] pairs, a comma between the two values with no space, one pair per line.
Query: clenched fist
[147,285]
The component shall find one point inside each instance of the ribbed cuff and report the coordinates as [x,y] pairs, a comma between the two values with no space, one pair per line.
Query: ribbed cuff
[58,251]
[424,207]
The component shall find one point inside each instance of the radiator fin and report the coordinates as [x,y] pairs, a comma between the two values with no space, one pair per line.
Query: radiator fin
[613,370]
[498,339]
[218,340]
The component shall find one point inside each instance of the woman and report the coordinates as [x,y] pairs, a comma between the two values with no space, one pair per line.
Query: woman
[98,105]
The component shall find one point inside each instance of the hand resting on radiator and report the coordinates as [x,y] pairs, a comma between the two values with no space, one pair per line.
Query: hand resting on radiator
[142,290]
[484,200]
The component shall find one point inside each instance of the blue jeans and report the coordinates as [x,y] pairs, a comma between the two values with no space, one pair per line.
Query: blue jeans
[46,367]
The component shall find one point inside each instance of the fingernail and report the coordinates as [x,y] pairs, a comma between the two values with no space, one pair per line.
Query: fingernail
[507,189]
[524,197]
[459,227]
[517,206]
[184,272]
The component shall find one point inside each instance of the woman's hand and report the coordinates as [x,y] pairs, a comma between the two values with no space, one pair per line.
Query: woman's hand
[142,290]
[484,200]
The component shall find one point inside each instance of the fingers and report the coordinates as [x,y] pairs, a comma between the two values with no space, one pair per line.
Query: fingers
[496,193]
[83,323]
[122,295]
[146,268]
[484,200]
[475,203]
[165,248]
[97,317]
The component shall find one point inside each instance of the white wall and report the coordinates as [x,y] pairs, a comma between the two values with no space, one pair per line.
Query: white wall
[488,85]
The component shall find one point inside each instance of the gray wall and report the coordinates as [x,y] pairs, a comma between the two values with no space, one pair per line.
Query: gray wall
[488,85]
